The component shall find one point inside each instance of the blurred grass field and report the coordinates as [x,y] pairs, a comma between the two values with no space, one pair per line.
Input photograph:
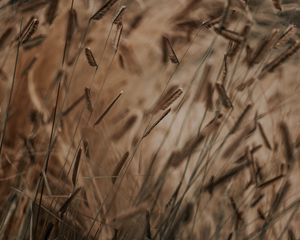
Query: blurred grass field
[149,119]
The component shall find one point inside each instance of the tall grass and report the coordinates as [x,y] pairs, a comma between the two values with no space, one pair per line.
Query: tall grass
[149,119]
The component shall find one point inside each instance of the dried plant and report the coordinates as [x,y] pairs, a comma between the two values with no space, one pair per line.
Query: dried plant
[145,120]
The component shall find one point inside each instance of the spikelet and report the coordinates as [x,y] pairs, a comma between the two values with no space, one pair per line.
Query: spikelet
[118,36]
[288,147]
[29,30]
[280,59]
[262,49]
[291,235]
[5,36]
[72,23]
[99,119]
[86,148]
[87,94]
[128,214]
[119,167]
[148,131]
[164,50]
[29,145]
[189,24]
[90,57]
[212,22]
[283,190]
[167,99]
[264,136]
[68,201]
[209,96]
[270,181]
[168,49]
[30,6]
[121,61]
[34,42]
[192,143]
[118,18]
[183,218]
[125,128]
[225,70]
[256,200]
[297,142]
[238,214]
[69,33]
[51,11]
[29,66]
[225,177]
[230,35]
[76,167]
[73,105]
[230,236]
[201,91]
[189,147]
[223,96]
[261,214]
[289,31]
[136,21]
[103,10]
[49,229]
[245,133]
[240,119]
[246,84]
[277,4]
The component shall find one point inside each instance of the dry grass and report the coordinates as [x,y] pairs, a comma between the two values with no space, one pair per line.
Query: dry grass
[149,119]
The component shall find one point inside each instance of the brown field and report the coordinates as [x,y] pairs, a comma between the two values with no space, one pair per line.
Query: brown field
[170,119]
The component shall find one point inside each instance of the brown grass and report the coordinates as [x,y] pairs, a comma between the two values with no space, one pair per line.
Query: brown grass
[180,123]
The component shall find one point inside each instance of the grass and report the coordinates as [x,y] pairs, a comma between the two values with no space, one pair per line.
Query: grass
[149,119]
